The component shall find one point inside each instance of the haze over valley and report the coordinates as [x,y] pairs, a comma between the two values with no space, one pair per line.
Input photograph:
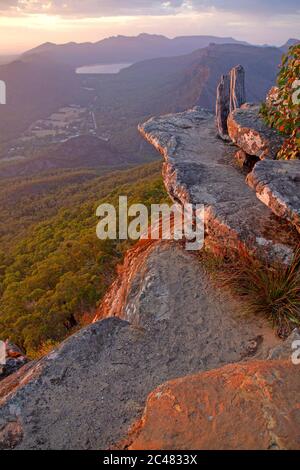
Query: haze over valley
[42,84]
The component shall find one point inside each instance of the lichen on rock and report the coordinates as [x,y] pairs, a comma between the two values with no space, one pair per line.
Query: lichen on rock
[277,185]
[250,406]
[248,131]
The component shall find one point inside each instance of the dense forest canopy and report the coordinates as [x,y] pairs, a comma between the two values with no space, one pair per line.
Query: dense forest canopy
[53,269]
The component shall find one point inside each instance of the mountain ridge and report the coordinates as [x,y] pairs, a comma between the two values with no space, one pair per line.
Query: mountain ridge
[173,84]
[290,42]
[124,48]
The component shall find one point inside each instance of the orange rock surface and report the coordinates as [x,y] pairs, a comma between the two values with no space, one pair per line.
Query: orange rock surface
[252,405]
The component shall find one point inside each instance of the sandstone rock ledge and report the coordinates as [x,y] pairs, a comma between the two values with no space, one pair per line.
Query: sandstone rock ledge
[277,184]
[251,406]
[248,131]
[199,169]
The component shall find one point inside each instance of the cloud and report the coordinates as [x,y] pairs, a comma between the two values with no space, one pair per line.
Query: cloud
[250,6]
[6,4]
[92,7]
[98,8]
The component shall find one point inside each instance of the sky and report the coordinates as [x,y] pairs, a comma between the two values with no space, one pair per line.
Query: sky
[27,23]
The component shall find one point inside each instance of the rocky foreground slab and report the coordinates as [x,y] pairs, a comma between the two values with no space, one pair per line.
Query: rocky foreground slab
[88,392]
[199,169]
[243,406]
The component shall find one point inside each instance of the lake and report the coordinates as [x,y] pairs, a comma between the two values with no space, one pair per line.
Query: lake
[100,68]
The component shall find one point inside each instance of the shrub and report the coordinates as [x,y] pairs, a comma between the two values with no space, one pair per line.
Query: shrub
[44,349]
[282,111]
[269,290]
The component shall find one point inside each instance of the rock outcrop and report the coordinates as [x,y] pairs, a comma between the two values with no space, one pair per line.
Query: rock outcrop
[223,107]
[237,88]
[252,406]
[14,359]
[199,169]
[248,131]
[277,185]
[114,301]
[88,392]
[285,349]
[231,94]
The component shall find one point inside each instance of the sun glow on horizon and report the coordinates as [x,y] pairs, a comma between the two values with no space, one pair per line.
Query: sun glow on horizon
[20,33]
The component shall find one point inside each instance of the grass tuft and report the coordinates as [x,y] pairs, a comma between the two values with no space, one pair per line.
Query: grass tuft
[271,291]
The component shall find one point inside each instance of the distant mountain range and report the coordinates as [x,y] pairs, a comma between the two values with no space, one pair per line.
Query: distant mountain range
[192,79]
[129,49]
[124,49]
[44,79]
[174,84]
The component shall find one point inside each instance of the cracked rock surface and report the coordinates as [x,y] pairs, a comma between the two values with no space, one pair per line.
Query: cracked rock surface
[199,169]
[248,131]
[250,406]
[277,185]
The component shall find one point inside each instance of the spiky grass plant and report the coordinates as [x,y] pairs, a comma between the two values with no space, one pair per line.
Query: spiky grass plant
[272,291]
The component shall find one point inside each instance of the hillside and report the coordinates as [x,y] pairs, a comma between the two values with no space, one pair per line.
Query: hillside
[291,42]
[79,152]
[123,49]
[35,89]
[168,85]
[6,59]
[49,249]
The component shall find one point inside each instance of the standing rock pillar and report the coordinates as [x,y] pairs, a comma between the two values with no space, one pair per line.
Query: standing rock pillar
[223,105]
[237,87]
[231,94]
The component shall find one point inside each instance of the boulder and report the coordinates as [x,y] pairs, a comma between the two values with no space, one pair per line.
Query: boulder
[277,185]
[12,350]
[286,349]
[248,131]
[14,359]
[12,365]
[252,406]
